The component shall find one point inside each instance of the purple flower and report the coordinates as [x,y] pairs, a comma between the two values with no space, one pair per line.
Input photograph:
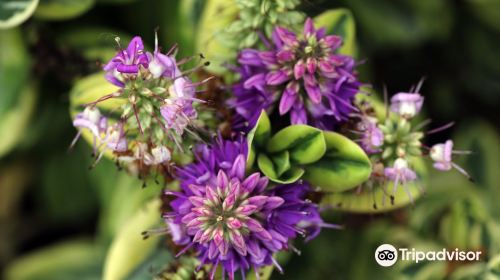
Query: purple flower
[211,159]
[162,64]
[92,120]
[372,137]
[115,138]
[248,103]
[234,220]
[311,82]
[400,173]
[126,63]
[407,104]
[159,155]
[178,113]
[441,154]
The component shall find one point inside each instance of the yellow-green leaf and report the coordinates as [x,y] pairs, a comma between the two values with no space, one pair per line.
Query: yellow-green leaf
[343,166]
[129,250]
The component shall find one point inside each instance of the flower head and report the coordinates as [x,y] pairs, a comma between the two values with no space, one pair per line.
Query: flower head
[400,173]
[442,154]
[234,220]
[92,120]
[157,105]
[115,138]
[372,138]
[161,64]
[312,83]
[247,102]
[126,63]
[407,104]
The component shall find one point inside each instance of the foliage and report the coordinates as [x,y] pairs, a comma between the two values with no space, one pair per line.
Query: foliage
[60,220]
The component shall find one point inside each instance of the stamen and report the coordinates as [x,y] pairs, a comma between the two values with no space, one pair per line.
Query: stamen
[192,70]
[294,249]
[462,152]
[137,118]
[72,145]
[441,128]
[419,85]
[204,81]
[154,232]
[461,170]
[214,268]
[407,190]
[331,226]
[184,250]
[97,159]
[257,275]
[102,98]
[277,265]
[172,49]
[422,124]
[396,183]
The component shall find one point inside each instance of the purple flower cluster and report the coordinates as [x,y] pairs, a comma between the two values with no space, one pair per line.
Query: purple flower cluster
[312,83]
[133,63]
[159,109]
[393,141]
[234,220]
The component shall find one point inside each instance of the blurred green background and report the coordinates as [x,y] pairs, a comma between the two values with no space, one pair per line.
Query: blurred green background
[58,219]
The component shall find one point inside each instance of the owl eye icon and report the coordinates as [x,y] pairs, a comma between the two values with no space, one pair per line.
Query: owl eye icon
[386,255]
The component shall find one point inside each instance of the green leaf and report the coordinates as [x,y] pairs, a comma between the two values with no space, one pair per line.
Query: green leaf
[122,196]
[17,95]
[486,10]
[187,24]
[404,23]
[476,270]
[281,162]
[340,22]
[344,165]
[363,202]
[14,122]
[15,12]
[262,130]
[152,265]
[267,167]
[59,171]
[494,267]
[94,43]
[59,262]
[62,9]
[264,273]
[183,268]
[128,251]
[454,227]
[115,2]
[15,66]
[258,136]
[305,144]
[216,16]
[483,164]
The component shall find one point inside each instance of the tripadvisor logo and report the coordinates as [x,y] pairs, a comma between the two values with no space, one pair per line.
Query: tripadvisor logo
[387,255]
